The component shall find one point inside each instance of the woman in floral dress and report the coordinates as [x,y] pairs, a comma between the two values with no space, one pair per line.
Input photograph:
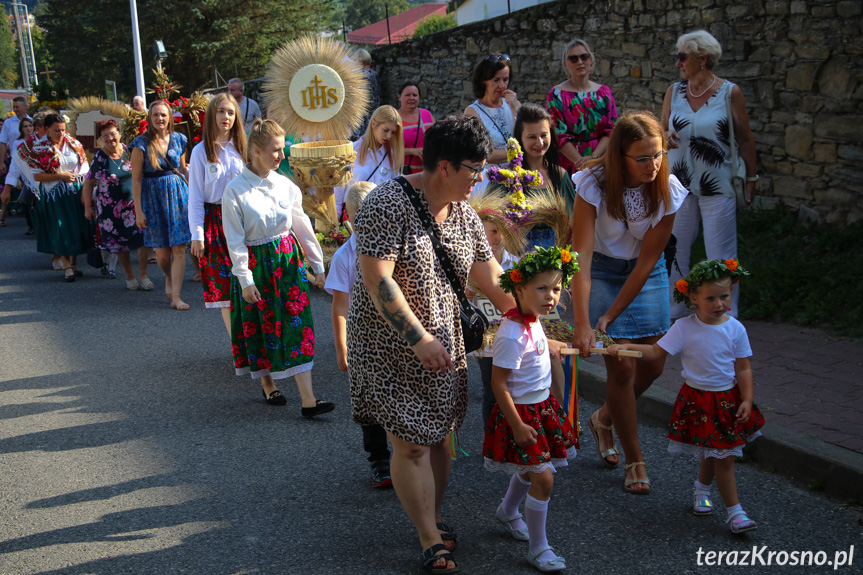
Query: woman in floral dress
[584,112]
[109,186]
[162,196]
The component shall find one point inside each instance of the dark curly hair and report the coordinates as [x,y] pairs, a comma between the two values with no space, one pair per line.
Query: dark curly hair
[456,138]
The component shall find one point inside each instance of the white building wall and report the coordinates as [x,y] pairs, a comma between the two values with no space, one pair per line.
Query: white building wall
[476,10]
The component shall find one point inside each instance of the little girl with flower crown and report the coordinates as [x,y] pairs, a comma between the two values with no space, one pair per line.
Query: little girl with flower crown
[528,434]
[714,415]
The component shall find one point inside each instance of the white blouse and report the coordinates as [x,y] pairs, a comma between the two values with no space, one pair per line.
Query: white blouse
[366,172]
[207,181]
[256,210]
[618,239]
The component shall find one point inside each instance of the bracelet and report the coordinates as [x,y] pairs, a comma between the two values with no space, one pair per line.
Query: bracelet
[752,178]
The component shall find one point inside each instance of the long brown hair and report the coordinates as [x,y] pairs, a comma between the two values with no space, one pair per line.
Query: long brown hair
[154,147]
[396,145]
[628,130]
[211,128]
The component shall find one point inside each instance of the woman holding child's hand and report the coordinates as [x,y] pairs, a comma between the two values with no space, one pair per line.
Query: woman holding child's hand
[624,212]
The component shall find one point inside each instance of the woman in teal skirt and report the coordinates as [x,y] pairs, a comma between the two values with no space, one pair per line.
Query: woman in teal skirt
[58,165]
[272,333]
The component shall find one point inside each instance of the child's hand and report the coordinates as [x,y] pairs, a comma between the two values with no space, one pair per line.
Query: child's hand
[743,412]
[614,348]
[524,435]
[554,348]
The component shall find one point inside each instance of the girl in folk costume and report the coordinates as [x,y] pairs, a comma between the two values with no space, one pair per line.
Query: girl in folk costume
[714,415]
[57,165]
[528,434]
[271,321]
[216,161]
[380,153]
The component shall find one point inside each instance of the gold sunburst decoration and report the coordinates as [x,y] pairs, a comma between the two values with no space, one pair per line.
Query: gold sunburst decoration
[83,114]
[313,87]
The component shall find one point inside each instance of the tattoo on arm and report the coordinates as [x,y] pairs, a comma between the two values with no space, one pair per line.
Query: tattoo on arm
[400,318]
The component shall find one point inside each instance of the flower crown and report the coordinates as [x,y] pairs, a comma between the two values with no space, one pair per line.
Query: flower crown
[542,260]
[708,271]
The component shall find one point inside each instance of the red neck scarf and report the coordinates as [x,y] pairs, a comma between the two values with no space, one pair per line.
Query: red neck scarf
[527,319]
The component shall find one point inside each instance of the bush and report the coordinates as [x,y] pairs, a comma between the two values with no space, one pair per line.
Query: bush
[434,23]
[802,273]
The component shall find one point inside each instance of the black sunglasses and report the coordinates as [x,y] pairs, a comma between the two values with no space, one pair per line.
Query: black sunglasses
[573,58]
[681,57]
[494,58]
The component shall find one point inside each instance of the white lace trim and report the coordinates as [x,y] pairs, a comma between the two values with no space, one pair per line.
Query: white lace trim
[510,468]
[262,241]
[276,374]
[216,304]
[634,204]
[700,452]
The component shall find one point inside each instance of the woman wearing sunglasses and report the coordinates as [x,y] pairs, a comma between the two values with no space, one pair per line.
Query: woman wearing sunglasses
[584,112]
[496,105]
[623,215]
[695,117]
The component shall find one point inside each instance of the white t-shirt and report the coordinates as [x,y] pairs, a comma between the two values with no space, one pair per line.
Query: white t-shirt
[709,351]
[374,169]
[10,131]
[343,269]
[528,358]
[618,239]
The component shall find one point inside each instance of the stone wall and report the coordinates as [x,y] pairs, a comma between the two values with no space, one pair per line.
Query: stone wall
[798,62]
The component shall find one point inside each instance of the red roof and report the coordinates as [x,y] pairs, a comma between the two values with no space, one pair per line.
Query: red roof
[402,26]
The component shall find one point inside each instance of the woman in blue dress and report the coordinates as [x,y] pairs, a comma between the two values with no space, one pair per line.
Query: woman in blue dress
[161,196]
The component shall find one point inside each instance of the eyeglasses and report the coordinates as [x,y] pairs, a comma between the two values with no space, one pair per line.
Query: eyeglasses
[574,58]
[494,58]
[643,160]
[112,134]
[681,57]
[475,172]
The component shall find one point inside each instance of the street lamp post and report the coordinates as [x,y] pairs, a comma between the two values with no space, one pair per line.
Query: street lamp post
[136,43]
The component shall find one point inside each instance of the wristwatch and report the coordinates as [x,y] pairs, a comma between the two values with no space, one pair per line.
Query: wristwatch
[752,178]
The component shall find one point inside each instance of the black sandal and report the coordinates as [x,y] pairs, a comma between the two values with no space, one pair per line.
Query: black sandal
[275,398]
[431,556]
[448,535]
[68,278]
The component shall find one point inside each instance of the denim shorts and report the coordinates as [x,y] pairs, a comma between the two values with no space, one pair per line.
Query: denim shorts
[539,238]
[647,315]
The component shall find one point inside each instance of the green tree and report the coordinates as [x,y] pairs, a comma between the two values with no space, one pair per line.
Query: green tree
[8,55]
[434,23]
[236,36]
[359,13]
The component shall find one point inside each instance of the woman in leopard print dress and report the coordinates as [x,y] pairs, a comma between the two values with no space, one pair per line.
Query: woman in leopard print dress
[407,362]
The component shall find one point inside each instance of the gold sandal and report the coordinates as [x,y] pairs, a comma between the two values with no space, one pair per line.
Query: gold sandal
[628,482]
[604,455]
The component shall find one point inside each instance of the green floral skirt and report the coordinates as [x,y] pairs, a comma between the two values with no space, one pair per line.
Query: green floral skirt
[274,336]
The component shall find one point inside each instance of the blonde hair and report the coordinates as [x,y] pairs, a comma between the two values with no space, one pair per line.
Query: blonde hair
[572,44]
[260,134]
[211,129]
[355,196]
[701,43]
[396,145]
[154,146]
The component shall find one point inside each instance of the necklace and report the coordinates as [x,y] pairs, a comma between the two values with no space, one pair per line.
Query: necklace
[119,163]
[689,85]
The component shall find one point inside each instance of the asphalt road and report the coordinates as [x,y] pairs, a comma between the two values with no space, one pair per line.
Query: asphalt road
[128,445]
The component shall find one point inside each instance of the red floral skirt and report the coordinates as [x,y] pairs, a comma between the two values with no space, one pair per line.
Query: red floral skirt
[216,263]
[555,442]
[707,419]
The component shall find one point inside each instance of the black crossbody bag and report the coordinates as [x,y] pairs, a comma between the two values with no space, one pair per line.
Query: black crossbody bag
[473,322]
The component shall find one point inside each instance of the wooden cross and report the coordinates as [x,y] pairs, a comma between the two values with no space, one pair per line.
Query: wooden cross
[48,73]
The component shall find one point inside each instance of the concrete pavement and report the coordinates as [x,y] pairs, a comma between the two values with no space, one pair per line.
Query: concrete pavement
[127,445]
